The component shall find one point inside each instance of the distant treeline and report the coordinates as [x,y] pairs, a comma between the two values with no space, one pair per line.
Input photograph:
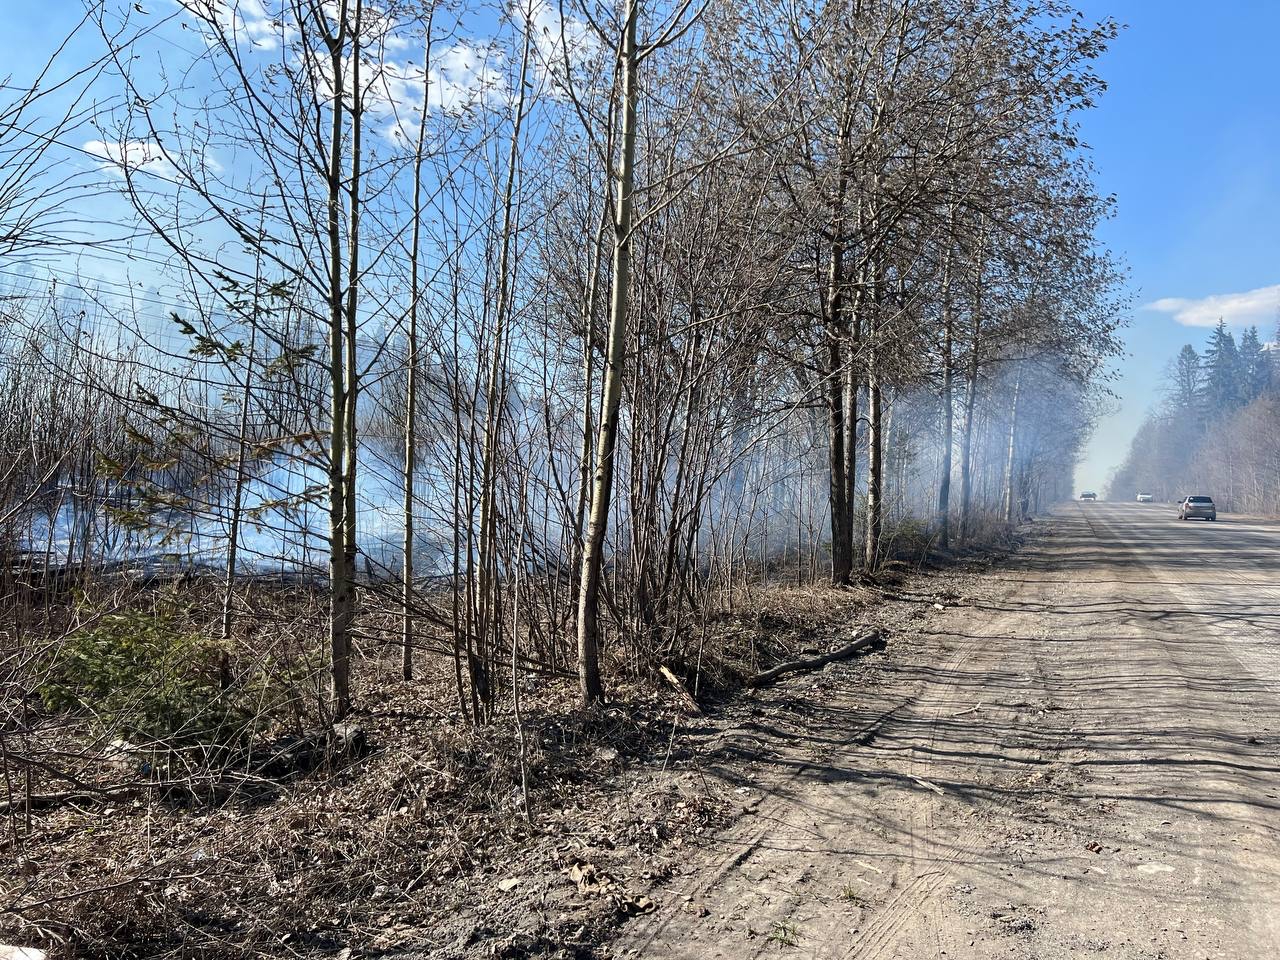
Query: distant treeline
[1217,431]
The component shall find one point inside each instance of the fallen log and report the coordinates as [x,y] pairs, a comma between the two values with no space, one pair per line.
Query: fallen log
[866,641]
[680,689]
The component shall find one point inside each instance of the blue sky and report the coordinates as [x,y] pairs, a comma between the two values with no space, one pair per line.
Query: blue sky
[1188,139]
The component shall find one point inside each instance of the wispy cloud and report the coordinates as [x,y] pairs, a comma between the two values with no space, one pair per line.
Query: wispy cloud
[131,156]
[463,77]
[1259,307]
[559,40]
[242,21]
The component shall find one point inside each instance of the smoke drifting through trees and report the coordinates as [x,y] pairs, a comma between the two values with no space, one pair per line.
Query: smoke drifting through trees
[611,314]
[1217,431]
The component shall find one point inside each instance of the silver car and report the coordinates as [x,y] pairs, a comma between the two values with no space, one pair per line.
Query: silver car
[1202,507]
[1145,498]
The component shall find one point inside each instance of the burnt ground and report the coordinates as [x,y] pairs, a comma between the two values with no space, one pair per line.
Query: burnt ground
[422,846]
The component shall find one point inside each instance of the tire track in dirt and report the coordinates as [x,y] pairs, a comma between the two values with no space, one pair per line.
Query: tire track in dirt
[890,920]
[648,936]
[893,919]
[916,719]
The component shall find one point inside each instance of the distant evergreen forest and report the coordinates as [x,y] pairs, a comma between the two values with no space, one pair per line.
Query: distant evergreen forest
[1217,432]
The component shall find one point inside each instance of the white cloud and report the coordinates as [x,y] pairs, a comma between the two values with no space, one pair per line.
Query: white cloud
[1252,307]
[556,38]
[462,77]
[270,24]
[381,29]
[242,21]
[131,156]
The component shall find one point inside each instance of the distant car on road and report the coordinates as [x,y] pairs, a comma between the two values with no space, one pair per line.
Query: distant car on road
[1202,507]
[1145,498]
[1089,495]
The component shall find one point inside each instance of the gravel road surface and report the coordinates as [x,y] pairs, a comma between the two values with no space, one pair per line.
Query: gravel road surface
[1077,757]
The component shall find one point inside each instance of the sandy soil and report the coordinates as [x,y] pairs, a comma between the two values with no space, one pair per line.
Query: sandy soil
[1077,756]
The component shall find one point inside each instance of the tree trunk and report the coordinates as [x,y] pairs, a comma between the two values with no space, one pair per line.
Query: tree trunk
[948,413]
[838,490]
[840,427]
[340,595]
[850,435]
[1010,480]
[411,391]
[971,394]
[487,586]
[350,514]
[875,431]
[606,442]
[237,507]
[966,449]
[875,461]
[588,420]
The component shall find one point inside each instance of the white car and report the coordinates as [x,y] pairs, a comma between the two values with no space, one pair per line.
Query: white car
[1145,498]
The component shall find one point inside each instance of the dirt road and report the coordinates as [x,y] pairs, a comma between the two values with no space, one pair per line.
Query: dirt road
[1077,758]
